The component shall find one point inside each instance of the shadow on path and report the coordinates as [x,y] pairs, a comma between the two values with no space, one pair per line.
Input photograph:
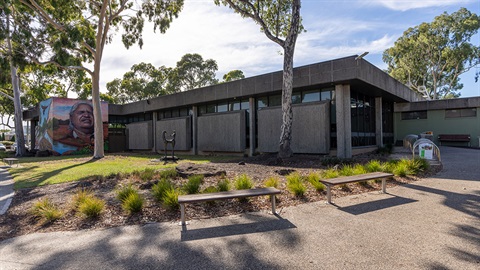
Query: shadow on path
[372,206]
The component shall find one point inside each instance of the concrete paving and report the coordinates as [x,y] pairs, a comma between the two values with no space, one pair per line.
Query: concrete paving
[429,224]
[6,189]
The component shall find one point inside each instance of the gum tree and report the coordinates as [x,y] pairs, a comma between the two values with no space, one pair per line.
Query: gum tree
[430,57]
[76,33]
[280,21]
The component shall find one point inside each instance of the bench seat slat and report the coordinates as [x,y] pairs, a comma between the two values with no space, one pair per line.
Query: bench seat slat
[223,195]
[355,178]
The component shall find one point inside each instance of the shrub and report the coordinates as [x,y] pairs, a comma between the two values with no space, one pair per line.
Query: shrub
[223,185]
[347,170]
[243,182]
[359,169]
[295,184]
[91,207]
[387,149]
[168,174]
[417,165]
[80,196]
[373,166]
[47,210]
[133,203]
[402,168]
[389,166]
[193,184]
[314,179]
[170,199]
[125,191]
[330,173]
[147,174]
[210,189]
[159,189]
[272,181]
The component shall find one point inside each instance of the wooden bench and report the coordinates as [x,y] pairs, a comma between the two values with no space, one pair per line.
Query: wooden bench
[454,138]
[223,195]
[10,161]
[354,178]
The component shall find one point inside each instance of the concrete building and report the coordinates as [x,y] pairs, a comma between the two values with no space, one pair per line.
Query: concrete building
[340,107]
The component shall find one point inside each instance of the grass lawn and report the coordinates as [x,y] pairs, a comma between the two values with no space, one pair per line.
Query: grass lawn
[36,171]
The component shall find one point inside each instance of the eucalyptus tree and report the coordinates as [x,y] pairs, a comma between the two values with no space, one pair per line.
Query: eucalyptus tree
[430,57]
[77,32]
[143,81]
[193,72]
[233,75]
[280,21]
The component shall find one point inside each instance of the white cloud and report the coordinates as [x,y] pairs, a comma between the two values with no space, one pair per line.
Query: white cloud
[403,5]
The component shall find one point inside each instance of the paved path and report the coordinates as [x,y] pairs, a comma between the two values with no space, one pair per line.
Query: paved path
[429,224]
[6,189]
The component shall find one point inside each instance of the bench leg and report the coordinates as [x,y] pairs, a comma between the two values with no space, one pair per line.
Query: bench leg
[182,214]
[384,185]
[329,194]
[272,197]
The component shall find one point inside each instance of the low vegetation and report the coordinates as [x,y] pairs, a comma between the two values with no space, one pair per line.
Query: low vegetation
[46,210]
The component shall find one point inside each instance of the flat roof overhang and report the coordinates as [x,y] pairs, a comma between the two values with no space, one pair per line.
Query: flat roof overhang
[361,75]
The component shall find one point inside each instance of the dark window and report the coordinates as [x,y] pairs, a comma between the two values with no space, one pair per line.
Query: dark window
[296,98]
[245,105]
[310,96]
[414,115]
[456,113]
[275,100]
[234,106]
[326,95]
[211,108]
[175,113]
[262,102]
[222,107]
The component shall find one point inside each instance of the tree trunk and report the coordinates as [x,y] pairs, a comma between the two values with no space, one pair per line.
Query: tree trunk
[285,149]
[98,151]
[17,103]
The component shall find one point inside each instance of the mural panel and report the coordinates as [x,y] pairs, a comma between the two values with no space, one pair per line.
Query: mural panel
[66,126]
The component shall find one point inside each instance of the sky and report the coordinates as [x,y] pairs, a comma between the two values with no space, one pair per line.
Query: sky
[335,29]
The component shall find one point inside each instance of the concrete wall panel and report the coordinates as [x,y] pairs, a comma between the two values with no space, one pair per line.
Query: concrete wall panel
[183,130]
[140,135]
[222,132]
[310,130]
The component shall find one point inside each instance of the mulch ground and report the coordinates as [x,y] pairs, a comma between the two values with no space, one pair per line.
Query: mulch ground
[19,219]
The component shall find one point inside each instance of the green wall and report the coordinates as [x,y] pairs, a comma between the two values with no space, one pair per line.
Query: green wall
[437,123]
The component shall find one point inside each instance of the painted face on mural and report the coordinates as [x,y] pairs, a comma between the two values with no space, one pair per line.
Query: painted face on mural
[82,118]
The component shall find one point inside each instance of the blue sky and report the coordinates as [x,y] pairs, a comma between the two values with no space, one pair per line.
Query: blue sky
[335,29]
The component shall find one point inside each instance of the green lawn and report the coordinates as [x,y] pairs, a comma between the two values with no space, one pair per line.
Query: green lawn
[34,171]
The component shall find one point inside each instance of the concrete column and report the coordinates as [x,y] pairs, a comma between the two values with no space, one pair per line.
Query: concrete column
[378,121]
[251,120]
[344,121]
[194,130]
[154,131]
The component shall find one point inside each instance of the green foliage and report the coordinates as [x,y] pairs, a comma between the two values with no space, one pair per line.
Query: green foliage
[373,166]
[193,184]
[359,169]
[243,182]
[47,210]
[125,191]
[330,173]
[272,181]
[170,199]
[210,189]
[160,188]
[91,207]
[147,174]
[223,185]
[314,179]
[80,197]
[193,72]
[133,203]
[347,170]
[295,184]
[168,174]
[401,169]
[430,57]
[233,75]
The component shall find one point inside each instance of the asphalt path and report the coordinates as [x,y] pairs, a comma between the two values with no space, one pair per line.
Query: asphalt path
[433,223]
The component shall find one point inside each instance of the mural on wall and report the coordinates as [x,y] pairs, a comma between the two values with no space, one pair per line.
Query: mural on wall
[66,126]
